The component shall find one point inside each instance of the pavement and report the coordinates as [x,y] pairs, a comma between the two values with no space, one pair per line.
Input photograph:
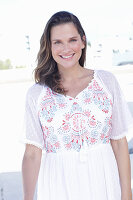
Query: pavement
[13,87]
[11,186]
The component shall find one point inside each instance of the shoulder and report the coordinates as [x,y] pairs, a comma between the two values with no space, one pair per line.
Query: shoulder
[106,75]
[34,91]
[34,88]
[109,80]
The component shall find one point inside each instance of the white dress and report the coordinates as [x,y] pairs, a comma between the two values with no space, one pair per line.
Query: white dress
[78,162]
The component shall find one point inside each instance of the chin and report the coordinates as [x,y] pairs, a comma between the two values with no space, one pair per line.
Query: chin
[67,66]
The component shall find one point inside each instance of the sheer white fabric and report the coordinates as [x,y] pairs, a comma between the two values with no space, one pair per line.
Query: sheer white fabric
[32,131]
[121,116]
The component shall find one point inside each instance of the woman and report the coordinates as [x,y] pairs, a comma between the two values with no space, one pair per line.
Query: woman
[76,121]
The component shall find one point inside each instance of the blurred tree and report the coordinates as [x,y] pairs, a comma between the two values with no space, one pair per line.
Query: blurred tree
[8,65]
[5,64]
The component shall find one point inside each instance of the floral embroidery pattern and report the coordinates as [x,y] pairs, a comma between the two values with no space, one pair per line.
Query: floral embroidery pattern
[77,126]
[61,102]
[100,98]
[48,107]
[51,140]
[105,135]
[75,122]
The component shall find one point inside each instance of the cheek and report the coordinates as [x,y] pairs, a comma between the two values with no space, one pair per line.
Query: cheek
[55,50]
[55,53]
[77,48]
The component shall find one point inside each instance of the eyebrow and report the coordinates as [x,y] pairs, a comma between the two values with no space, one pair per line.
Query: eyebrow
[74,37]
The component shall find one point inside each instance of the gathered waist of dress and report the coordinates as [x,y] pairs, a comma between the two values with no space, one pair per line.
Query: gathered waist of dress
[83,148]
[82,156]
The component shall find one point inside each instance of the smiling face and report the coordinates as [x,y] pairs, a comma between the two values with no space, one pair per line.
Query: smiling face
[66,45]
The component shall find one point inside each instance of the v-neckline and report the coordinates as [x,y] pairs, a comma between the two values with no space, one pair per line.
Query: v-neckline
[74,98]
[89,84]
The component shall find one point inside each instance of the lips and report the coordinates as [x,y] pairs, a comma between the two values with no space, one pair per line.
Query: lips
[67,56]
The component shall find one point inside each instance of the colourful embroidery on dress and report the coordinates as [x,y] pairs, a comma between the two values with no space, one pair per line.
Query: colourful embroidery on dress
[100,98]
[78,128]
[61,102]
[106,131]
[51,140]
[78,123]
[48,106]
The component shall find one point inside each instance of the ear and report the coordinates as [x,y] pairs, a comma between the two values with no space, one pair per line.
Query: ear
[83,41]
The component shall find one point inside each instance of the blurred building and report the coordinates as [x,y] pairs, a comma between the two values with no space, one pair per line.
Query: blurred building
[112,51]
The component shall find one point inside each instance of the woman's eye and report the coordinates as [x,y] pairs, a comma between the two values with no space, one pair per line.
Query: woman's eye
[57,42]
[73,40]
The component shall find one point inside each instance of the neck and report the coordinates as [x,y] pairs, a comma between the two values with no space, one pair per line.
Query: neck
[70,74]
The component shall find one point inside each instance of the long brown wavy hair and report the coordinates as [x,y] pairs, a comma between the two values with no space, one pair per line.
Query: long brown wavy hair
[46,71]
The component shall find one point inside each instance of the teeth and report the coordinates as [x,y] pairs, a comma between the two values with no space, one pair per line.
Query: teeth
[67,56]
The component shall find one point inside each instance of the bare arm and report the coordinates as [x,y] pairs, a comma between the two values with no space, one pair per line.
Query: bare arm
[120,148]
[30,169]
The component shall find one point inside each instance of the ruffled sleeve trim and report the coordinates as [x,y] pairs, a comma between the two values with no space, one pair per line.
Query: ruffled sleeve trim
[25,141]
[124,134]
[118,137]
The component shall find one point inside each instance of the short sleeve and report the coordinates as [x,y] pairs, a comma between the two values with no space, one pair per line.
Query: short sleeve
[32,131]
[122,119]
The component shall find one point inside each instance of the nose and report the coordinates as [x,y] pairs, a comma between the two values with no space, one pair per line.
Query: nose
[66,48]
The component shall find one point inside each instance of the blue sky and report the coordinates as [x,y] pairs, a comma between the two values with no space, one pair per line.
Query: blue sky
[18,18]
